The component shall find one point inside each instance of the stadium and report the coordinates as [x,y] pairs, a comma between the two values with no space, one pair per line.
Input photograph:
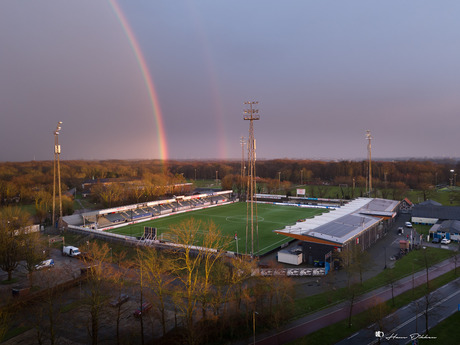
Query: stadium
[321,226]
[229,215]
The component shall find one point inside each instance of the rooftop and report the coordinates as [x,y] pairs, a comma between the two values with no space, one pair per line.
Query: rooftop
[343,223]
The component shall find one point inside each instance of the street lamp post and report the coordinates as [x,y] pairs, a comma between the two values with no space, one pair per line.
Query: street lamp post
[254,325]
[385,249]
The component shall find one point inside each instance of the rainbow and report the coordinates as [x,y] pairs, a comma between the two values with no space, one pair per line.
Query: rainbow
[161,135]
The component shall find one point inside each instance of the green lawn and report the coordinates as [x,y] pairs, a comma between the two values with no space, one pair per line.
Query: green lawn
[442,196]
[335,332]
[446,332]
[231,220]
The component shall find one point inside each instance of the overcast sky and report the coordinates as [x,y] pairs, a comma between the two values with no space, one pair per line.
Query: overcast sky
[323,72]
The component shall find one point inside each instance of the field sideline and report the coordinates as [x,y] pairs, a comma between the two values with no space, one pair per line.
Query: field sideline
[231,219]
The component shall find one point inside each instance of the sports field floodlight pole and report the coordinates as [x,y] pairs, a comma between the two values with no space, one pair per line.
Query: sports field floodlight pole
[242,164]
[369,157]
[57,152]
[251,115]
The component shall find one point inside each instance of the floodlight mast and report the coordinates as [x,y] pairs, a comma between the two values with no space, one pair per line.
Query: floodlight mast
[369,157]
[57,152]
[242,142]
[251,115]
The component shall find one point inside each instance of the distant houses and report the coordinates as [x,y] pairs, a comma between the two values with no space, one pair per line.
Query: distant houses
[445,219]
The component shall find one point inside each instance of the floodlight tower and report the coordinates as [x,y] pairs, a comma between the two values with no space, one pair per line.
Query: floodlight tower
[369,157]
[251,115]
[57,152]
[242,163]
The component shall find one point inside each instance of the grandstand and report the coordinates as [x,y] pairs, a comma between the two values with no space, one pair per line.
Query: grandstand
[130,214]
[362,221]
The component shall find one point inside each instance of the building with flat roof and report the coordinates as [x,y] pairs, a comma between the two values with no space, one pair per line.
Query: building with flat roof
[433,213]
[362,221]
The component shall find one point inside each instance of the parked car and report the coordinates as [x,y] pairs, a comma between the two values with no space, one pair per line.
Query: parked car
[436,240]
[45,264]
[120,300]
[408,225]
[144,308]
[445,241]
[400,230]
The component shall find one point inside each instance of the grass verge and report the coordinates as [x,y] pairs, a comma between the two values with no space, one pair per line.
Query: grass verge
[340,330]
[412,262]
[446,332]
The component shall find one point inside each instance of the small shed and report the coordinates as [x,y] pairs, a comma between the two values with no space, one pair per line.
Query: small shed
[293,257]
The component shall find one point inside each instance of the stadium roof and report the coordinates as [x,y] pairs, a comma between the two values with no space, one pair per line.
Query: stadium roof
[342,224]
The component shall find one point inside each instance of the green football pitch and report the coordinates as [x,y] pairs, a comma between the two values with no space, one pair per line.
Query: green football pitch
[230,220]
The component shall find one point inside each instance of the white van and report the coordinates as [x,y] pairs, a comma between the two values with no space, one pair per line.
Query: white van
[70,251]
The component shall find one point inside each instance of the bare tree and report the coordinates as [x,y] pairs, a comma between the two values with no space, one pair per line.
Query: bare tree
[241,271]
[351,292]
[378,316]
[428,301]
[361,260]
[157,276]
[193,264]
[455,259]
[47,312]
[211,240]
[119,277]
[345,257]
[95,298]
[13,222]
[186,265]
[34,252]
[391,279]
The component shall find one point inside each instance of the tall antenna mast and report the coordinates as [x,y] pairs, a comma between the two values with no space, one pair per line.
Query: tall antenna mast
[250,115]
[369,157]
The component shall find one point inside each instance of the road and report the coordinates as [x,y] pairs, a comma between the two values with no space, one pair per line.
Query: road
[408,323]
[326,317]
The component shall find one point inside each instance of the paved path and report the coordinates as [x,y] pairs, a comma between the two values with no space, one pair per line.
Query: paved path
[318,320]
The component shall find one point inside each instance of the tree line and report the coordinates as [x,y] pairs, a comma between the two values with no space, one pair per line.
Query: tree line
[145,180]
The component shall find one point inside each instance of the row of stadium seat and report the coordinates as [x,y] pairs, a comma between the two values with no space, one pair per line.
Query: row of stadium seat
[145,212]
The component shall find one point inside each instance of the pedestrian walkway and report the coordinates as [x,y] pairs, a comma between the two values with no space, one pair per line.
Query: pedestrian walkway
[331,315]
